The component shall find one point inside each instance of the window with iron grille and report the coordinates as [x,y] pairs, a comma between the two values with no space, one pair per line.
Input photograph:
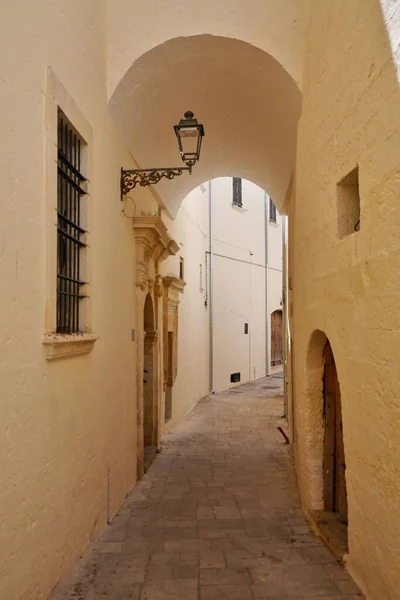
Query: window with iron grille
[71,246]
[237,191]
[272,211]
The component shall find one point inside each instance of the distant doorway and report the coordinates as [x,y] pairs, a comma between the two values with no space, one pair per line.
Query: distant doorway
[168,393]
[149,392]
[334,478]
[276,338]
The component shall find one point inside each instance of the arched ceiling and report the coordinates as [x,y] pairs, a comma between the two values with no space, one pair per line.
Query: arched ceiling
[134,27]
[248,103]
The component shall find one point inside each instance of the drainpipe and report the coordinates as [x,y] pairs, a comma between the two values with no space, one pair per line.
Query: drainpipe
[211,296]
[284,301]
[267,318]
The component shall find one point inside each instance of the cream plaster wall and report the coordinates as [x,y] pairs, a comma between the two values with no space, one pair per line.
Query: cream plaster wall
[69,437]
[190,230]
[239,283]
[239,289]
[68,427]
[349,288]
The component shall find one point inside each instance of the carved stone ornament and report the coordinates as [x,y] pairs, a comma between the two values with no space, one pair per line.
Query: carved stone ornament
[153,244]
[158,286]
[172,288]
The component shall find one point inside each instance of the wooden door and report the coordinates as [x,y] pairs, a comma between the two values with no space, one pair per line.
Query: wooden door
[276,338]
[170,381]
[335,495]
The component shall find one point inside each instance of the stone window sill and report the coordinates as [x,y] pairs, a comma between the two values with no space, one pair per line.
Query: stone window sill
[238,207]
[59,346]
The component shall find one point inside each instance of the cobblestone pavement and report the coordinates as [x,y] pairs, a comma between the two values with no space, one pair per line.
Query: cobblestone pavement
[217,517]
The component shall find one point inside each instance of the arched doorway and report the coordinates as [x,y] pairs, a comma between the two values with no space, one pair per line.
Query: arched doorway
[334,479]
[149,391]
[323,452]
[276,338]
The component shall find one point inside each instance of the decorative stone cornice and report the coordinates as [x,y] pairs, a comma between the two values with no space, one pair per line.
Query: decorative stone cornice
[152,232]
[153,244]
[174,284]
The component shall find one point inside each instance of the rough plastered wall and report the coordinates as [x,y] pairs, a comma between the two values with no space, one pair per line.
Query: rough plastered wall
[274,272]
[68,430]
[349,288]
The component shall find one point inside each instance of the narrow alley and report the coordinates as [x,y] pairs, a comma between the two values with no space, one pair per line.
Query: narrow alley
[217,516]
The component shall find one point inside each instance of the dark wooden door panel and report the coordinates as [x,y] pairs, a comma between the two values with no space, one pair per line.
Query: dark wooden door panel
[276,338]
[334,476]
[340,466]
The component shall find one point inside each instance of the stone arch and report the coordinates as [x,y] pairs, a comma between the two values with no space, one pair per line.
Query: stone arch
[324,446]
[247,100]
[134,28]
[316,414]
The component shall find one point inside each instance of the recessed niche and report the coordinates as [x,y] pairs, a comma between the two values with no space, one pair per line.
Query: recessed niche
[235,377]
[348,204]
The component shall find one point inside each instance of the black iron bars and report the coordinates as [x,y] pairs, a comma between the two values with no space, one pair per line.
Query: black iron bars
[69,230]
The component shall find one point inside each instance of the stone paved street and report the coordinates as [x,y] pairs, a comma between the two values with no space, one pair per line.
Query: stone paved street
[217,517]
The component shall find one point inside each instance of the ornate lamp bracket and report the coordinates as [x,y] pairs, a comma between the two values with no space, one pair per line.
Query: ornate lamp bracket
[130,178]
[189,133]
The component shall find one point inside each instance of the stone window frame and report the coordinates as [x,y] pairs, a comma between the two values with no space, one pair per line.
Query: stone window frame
[60,345]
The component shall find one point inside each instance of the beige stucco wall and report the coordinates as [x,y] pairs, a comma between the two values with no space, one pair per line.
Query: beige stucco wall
[68,427]
[69,435]
[349,288]
[190,230]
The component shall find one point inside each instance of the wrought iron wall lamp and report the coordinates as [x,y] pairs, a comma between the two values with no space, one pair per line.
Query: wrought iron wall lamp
[189,134]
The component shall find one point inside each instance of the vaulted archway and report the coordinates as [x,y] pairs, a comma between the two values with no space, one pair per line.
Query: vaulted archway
[247,100]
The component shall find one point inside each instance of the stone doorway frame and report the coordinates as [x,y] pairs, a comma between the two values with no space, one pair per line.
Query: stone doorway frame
[153,245]
[333,532]
[173,287]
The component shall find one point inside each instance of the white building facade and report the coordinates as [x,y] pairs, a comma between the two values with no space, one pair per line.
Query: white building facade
[230,238]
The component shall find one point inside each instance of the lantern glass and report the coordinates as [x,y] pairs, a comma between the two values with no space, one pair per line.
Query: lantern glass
[189,133]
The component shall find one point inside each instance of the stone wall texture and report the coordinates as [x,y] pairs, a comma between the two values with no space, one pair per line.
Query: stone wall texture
[349,288]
